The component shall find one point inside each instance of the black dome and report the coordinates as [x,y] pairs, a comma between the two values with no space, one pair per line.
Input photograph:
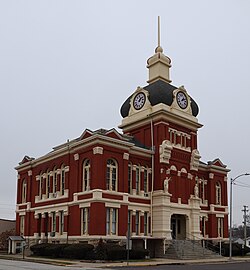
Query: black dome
[159,92]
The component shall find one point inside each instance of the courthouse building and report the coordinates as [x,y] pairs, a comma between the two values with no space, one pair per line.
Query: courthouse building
[146,181]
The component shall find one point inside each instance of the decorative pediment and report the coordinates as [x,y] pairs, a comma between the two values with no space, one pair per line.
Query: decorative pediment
[26,159]
[86,133]
[181,100]
[217,162]
[114,134]
[139,101]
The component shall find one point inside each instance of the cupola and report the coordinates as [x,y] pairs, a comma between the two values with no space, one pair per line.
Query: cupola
[159,64]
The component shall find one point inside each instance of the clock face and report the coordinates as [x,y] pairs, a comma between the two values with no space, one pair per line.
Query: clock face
[182,100]
[139,101]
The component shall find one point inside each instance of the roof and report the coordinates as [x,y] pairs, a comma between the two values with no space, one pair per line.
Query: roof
[16,238]
[111,133]
[159,92]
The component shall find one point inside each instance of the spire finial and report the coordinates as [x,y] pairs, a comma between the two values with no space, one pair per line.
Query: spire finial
[159,32]
[159,48]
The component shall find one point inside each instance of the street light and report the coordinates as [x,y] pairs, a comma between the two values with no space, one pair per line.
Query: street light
[232,180]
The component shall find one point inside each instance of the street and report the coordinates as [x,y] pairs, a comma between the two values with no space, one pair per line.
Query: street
[19,265]
[221,266]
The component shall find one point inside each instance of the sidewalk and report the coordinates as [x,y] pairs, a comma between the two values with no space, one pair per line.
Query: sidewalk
[149,262]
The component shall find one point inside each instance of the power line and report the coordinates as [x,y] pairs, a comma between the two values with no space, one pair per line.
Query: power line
[242,185]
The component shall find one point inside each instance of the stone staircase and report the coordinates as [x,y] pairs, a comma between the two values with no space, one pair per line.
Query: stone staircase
[188,250]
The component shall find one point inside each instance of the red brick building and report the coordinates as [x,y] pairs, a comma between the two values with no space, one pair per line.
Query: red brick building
[147,180]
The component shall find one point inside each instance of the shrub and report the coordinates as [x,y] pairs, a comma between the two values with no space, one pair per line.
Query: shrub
[117,253]
[55,250]
[39,249]
[237,249]
[100,252]
[78,251]
[137,254]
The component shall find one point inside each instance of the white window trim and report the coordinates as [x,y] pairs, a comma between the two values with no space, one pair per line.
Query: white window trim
[109,225]
[218,193]
[61,222]
[24,191]
[53,221]
[22,225]
[86,168]
[85,219]
[110,168]
[138,180]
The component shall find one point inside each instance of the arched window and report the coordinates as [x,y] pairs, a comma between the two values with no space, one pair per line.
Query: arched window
[54,189]
[218,193]
[40,186]
[111,174]
[24,191]
[86,175]
[47,184]
[62,187]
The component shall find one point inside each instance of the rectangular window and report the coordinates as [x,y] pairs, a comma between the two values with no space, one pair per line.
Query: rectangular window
[108,221]
[185,141]
[137,222]
[137,180]
[145,184]
[114,218]
[85,220]
[202,190]
[61,217]
[171,136]
[129,222]
[21,225]
[145,223]
[111,221]
[174,142]
[53,221]
[220,227]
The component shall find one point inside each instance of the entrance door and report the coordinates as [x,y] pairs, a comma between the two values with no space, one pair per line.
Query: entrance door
[173,228]
[178,227]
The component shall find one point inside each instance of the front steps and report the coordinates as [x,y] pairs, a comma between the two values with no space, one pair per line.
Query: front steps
[188,250]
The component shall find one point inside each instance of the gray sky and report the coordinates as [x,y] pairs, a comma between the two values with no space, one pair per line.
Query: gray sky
[69,65]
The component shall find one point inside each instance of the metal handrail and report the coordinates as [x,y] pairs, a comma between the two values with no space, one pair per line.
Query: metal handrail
[207,244]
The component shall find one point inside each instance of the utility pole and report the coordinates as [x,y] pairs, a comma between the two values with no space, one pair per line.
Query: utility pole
[245,216]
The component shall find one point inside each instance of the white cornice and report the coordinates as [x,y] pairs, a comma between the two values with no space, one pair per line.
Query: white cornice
[213,168]
[163,112]
[74,146]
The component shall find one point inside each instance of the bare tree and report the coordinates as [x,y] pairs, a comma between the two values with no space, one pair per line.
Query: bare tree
[4,238]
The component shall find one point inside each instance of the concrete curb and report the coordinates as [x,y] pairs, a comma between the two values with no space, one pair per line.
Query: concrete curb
[153,262]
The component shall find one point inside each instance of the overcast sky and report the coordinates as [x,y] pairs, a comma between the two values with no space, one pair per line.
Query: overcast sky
[69,65]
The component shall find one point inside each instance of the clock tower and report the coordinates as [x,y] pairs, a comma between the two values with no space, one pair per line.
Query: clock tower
[163,117]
